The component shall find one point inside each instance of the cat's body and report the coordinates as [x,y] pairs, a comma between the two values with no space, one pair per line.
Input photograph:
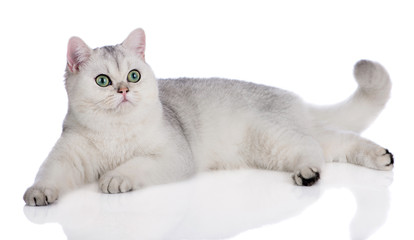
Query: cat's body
[129,130]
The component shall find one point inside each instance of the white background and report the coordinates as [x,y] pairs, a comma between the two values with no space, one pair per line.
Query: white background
[308,47]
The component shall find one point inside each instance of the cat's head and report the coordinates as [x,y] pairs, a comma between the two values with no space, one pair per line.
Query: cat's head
[110,79]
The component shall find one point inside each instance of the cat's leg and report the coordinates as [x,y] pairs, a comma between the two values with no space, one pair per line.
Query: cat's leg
[308,160]
[284,149]
[62,170]
[145,171]
[352,148]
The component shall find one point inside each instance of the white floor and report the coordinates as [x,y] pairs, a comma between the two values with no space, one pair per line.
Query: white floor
[348,203]
[307,47]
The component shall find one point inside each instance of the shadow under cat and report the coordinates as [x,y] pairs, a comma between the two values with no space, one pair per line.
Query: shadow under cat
[214,205]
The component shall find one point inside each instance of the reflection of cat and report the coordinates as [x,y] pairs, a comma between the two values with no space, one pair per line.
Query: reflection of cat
[222,204]
[129,130]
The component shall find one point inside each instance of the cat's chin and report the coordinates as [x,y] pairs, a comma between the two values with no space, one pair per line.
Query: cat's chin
[119,108]
[123,105]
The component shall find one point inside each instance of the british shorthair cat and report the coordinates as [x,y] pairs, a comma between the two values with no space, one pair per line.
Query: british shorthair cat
[128,130]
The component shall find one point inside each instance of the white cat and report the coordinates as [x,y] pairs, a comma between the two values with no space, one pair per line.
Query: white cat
[128,130]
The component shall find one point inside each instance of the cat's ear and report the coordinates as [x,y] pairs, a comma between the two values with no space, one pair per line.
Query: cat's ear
[136,42]
[78,53]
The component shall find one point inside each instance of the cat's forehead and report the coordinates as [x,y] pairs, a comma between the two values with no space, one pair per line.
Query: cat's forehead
[116,52]
[111,51]
[112,59]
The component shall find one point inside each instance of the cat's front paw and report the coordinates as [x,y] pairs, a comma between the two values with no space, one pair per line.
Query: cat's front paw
[306,176]
[40,196]
[114,183]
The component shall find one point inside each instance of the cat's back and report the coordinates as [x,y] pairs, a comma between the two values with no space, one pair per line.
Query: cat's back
[222,93]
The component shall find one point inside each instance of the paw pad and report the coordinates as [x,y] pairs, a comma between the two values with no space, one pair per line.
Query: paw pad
[306,176]
[391,157]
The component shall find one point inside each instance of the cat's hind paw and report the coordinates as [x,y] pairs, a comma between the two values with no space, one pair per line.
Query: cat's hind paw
[382,159]
[389,154]
[372,156]
[306,176]
[40,196]
[113,183]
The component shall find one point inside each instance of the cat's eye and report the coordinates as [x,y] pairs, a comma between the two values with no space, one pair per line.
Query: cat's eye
[134,76]
[103,80]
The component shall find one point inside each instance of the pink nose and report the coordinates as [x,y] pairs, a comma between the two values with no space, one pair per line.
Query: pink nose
[123,90]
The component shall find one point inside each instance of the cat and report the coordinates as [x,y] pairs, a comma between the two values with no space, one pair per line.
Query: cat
[128,130]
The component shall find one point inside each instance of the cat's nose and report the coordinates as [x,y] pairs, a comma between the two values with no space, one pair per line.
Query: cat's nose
[123,90]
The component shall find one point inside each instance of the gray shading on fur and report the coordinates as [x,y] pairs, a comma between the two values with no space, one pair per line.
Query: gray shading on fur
[130,130]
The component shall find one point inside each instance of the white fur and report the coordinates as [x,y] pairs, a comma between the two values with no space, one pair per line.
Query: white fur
[170,129]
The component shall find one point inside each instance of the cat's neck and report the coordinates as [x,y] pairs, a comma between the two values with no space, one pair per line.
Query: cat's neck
[107,124]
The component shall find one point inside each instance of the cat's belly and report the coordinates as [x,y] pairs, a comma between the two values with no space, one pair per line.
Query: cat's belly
[244,140]
[218,156]
[216,145]
[226,143]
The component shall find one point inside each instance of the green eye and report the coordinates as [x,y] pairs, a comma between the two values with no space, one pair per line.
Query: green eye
[103,80]
[134,76]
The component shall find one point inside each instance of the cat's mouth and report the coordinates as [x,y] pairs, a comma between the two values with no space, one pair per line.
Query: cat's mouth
[119,104]
[123,102]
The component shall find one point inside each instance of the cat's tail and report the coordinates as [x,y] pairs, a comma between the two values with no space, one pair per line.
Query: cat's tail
[362,108]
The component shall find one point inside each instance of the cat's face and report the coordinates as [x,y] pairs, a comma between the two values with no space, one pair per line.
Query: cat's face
[111,79]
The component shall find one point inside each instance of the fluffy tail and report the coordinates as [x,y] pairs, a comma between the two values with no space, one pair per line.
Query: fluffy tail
[362,108]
